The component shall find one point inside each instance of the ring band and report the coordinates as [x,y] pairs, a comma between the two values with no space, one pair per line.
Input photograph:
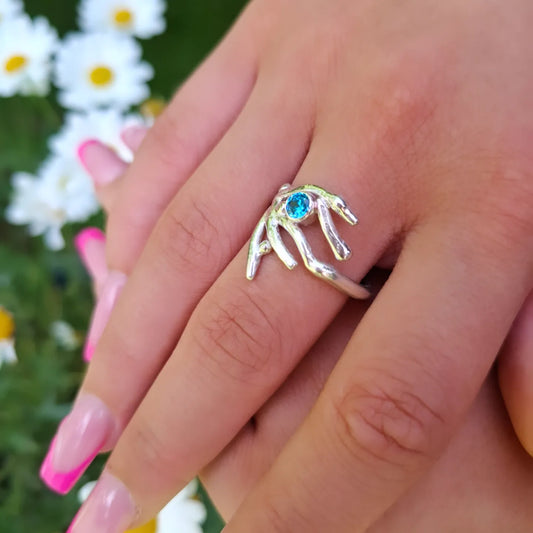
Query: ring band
[289,209]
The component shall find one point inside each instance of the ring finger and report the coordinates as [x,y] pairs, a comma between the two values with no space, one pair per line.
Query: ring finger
[189,248]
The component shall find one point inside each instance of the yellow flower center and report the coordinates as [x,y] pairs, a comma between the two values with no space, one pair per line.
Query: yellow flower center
[15,63]
[101,76]
[7,325]
[123,17]
[151,527]
[153,107]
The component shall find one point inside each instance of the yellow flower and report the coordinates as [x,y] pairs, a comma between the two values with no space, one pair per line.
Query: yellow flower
[7,341]
[7,325]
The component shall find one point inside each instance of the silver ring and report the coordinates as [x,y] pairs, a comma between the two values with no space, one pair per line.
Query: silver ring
[289,209]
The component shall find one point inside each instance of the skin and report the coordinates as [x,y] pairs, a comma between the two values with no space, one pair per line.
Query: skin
[419,116]
[481,483]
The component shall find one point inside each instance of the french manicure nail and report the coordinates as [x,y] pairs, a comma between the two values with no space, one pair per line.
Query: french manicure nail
[79,439]
[109,509]
[90,244]
[109,293]
[101,162]
[61,482]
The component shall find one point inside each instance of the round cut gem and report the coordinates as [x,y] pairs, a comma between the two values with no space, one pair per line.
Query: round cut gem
[298,205]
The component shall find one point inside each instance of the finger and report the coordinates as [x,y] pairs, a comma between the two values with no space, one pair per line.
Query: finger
[190,247]
[515,368]
[404,383]
[91,246]
[236,470]
[468,489]
[482,450]
[186,132]
[105,168]
[190,127]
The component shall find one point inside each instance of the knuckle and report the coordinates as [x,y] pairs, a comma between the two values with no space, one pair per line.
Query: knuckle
[275,518]
[404,122]
[385,421]
[189,240]
[512,200]
[150,448]
[175,149]
[500,218]
[239,337]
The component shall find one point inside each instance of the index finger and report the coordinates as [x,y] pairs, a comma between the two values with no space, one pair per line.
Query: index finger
[193,123]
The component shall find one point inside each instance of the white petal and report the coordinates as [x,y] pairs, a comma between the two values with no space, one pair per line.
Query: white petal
[8,354]
[54,239]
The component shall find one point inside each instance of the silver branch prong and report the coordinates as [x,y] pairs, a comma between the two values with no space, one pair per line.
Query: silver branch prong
[289,209]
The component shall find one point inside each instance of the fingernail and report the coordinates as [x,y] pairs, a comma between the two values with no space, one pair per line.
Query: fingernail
[108,296]
[101,162]
[109,509]
[79,439]
[90,244]
[133,136]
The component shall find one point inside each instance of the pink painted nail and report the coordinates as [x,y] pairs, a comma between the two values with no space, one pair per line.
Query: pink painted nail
[90,244]
[101,162]
[79,439]
[109,509]
[88,352]
[133,136]
[108,296]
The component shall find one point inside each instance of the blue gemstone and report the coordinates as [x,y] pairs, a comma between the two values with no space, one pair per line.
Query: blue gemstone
[298,205]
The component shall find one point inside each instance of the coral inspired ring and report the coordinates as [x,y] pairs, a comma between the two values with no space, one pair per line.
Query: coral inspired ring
[302,205]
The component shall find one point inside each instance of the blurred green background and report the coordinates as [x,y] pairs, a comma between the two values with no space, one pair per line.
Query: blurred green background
[40,287]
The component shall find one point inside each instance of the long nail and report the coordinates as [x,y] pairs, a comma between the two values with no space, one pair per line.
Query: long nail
[133,136]
[109,509]
[90,244]
[101,162]
[79,439]
[108,296]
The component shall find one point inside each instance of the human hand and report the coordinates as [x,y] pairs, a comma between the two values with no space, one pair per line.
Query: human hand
[435,175]
[481,483]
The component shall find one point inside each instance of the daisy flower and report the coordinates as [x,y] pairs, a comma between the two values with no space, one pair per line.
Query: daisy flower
[9,9]
[140,18]
[101,69]
[60,193]
[184,513]
[7,341]
[26,48]
[104,125]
